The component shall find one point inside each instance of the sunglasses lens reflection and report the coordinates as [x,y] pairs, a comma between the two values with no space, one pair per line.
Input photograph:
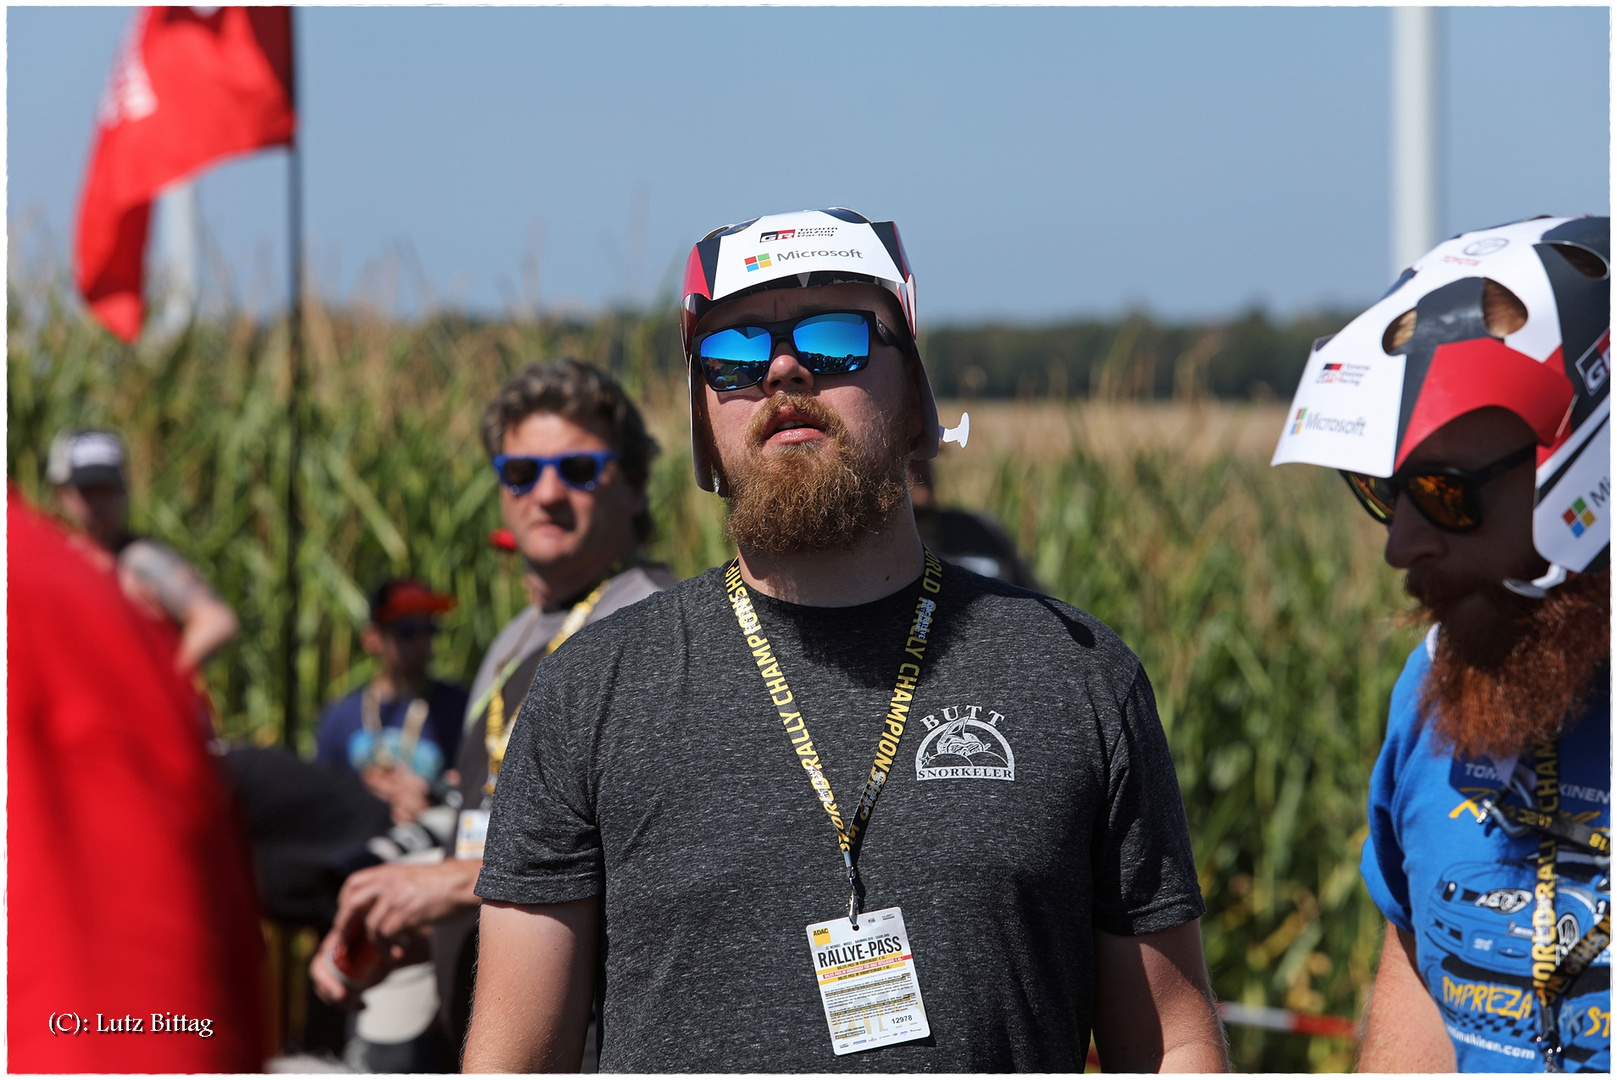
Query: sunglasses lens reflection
[831,343]
[1374,493]
[739,345]
[732,374]
[834,343]
[1443,499]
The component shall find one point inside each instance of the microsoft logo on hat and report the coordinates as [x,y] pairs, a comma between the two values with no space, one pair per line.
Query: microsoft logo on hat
[1298,426]
[1578,517]
[755,261]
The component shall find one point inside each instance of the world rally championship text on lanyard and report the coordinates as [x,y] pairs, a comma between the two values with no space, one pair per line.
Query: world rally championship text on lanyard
[865,971]
[1553,970]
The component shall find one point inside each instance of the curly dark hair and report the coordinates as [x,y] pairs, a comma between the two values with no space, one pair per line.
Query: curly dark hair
[581,393]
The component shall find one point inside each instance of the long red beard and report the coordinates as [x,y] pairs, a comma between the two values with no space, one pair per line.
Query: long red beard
[819,496]
[1503,706]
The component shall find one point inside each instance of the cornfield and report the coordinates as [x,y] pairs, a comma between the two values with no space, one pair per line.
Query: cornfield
[1256,597]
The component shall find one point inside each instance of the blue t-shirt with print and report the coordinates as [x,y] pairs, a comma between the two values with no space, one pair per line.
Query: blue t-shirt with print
[343,743]
[1465,890]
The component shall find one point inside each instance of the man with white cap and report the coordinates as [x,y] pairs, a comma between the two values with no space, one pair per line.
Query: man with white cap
[86,469]
[660,841]
[1469,412]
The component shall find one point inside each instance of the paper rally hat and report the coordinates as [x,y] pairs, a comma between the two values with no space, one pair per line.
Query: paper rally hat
[1517,316]
[805,248]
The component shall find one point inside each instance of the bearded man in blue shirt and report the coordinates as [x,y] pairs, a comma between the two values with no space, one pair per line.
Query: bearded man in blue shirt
[1469,412]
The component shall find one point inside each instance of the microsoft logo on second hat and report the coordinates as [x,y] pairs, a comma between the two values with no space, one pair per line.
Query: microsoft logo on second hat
[1578,517]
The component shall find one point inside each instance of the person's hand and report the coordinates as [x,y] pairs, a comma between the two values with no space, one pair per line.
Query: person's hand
[394,906]
[365,964]
[323,974]
[404,792]
[397,899]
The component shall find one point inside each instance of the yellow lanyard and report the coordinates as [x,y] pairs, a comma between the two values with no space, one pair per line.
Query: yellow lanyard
[498,736]
[921,629]
[1552,973]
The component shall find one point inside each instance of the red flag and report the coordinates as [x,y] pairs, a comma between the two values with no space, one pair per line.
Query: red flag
[187,89]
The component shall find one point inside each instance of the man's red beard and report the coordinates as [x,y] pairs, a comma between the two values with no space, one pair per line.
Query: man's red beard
[822,495]
[1497,690]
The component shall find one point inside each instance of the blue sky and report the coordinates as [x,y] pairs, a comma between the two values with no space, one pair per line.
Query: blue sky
[1041,162]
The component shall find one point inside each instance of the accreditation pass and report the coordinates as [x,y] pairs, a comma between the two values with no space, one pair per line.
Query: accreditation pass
[867,981]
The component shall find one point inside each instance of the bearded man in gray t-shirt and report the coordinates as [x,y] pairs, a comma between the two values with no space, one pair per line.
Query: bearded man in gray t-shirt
[835,806]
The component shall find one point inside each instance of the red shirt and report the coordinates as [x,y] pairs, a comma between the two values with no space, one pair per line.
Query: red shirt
[129,887]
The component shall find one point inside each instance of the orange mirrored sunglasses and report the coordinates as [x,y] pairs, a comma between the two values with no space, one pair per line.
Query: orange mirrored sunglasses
[1444,495]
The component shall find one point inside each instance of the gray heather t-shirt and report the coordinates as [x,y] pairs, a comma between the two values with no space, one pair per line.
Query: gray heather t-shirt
[523,636]
[1032,801]
[531,628]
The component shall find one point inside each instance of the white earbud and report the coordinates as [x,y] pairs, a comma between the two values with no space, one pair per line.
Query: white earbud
[1538,588]
[957,434]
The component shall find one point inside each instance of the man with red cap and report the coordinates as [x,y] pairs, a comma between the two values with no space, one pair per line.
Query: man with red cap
[1469,412]
[401,729]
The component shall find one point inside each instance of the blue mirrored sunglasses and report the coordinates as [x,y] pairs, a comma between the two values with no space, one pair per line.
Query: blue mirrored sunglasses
[580,470]
[829,343]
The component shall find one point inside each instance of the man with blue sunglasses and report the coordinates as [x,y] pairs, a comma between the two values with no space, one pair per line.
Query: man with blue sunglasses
[660,843]
[571,454]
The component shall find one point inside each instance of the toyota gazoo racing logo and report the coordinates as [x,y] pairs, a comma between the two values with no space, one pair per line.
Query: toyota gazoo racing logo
[812,232]
[1345,374]
[1306,420]
[1595,365]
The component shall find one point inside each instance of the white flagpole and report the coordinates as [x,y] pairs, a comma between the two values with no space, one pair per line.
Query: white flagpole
[1416,132]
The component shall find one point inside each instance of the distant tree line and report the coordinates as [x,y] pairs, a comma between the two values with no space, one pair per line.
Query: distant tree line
[1250,356]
